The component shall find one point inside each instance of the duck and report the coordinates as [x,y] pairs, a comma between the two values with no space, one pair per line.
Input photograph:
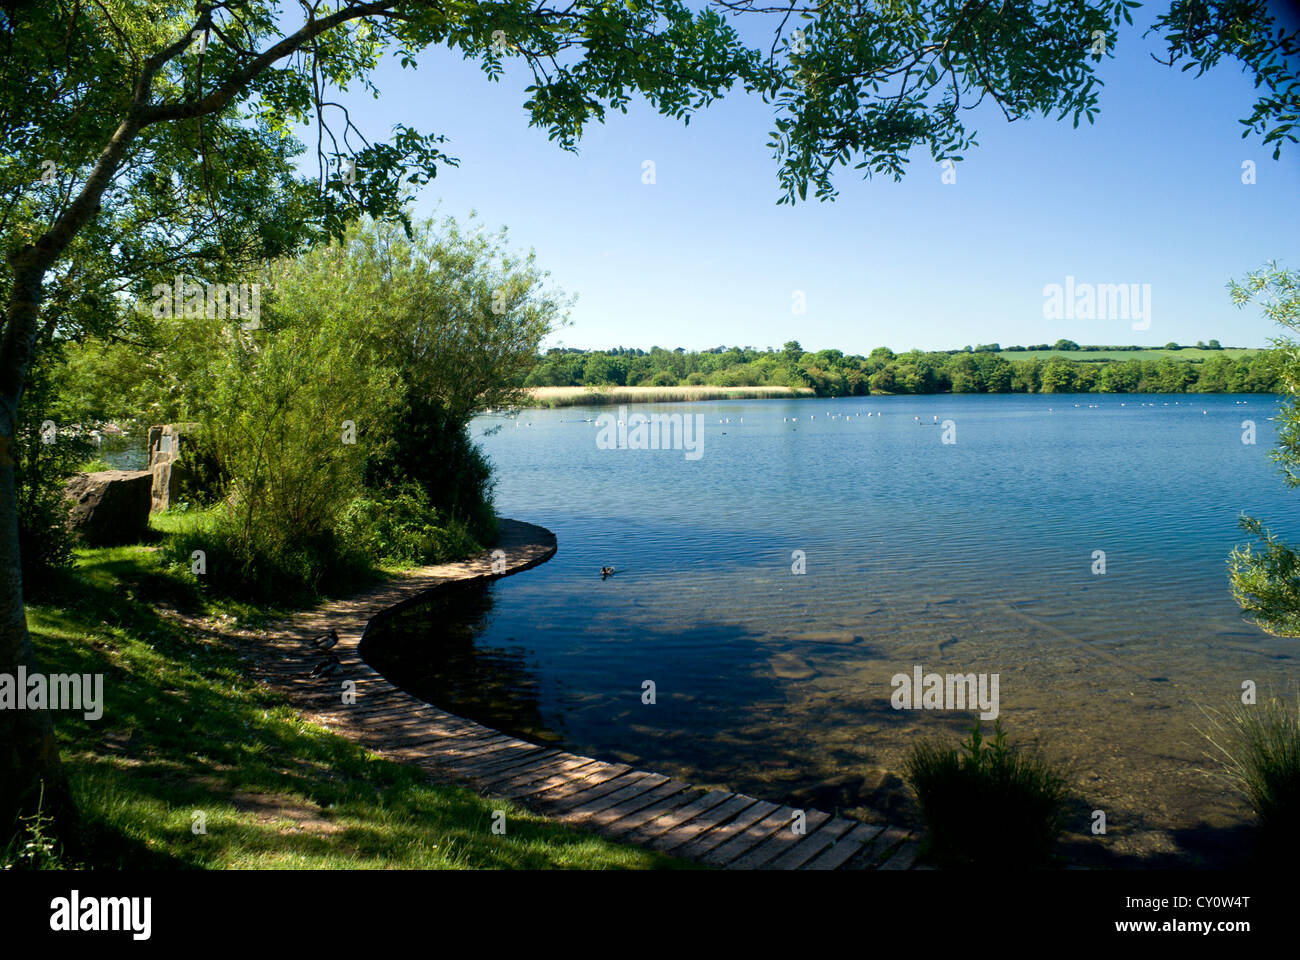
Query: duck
[606,572]
[327,667]
[326,640]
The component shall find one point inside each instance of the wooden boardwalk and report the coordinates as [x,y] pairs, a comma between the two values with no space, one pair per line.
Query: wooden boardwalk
[718,828]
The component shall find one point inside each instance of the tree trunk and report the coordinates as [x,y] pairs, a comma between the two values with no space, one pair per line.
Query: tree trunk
[29,755]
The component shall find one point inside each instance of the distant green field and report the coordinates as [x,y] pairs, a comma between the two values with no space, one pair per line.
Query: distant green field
[1108,353]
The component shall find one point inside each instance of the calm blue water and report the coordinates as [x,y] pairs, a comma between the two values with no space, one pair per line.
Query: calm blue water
[971,557]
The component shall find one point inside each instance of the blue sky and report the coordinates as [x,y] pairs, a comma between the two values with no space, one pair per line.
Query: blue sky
[1152,193]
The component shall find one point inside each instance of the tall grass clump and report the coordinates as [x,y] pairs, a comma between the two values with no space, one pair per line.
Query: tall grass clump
[1257,748]
[987,804]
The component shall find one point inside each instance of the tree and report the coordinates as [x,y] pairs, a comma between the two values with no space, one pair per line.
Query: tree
[1266,580]
[1057,376]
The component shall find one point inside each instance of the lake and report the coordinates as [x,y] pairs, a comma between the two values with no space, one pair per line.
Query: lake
[971,556]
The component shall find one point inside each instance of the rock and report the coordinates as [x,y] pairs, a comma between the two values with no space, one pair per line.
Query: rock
[170,479]
[789,667]
[837,793]
[886,792]
[111,507]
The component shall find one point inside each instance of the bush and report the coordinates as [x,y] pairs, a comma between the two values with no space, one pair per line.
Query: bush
[277,573]
[987,805]
[41,473]
[432,448]
[400,526]
[1257,747]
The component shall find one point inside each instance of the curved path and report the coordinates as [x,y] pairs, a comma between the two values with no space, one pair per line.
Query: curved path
[612,799]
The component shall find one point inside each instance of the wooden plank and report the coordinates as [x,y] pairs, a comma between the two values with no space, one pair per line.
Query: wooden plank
[490,767]
[563,763]
[427,739]
[779,842]
[591,794]
[812,845]
[487,766]
[455,753]
[447,739]
[885,842]
[843,850]
[409,728]
[630,821]
[903,858]
[630,792]
[530,771]
[652,829]
[555,788]
[621,814]
[687,832]
[720,835]
[754,835]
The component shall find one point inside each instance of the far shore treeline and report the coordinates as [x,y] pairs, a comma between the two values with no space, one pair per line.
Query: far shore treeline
[1063,367]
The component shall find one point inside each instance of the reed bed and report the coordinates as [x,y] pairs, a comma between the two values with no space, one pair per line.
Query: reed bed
[588,396]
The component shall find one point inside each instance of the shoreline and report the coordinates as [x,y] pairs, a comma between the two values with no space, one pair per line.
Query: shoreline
[715,827]
[546,398]
[551,398]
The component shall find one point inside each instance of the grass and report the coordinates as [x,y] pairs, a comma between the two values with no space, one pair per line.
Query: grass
[186,738]
[1257,748]
[987,805]
[588,396]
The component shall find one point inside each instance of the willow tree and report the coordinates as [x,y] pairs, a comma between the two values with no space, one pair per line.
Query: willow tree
[146,138]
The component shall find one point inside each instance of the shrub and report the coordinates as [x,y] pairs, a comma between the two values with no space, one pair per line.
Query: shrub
[987,805]
[1257,747]
[284,573]
[433,448]
[41,472]
[400,526]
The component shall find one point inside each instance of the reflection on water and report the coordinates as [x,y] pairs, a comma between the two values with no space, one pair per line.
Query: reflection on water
[430,652]
[973,557]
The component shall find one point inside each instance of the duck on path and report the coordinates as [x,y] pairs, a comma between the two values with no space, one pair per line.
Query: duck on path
[326,640]
[327,667]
